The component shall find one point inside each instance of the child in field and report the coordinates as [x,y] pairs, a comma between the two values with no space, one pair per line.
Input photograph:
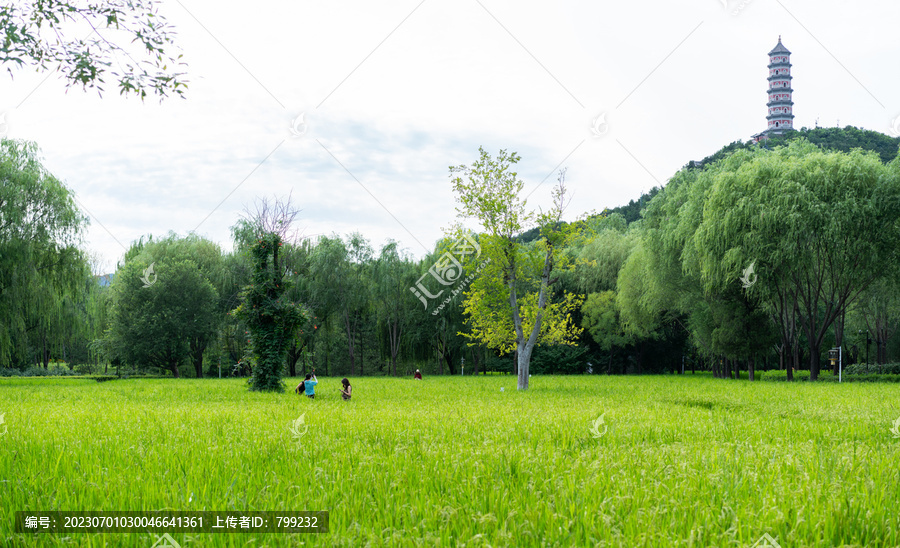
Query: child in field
[310,384]
[347,390]
[417,375]
[301,386]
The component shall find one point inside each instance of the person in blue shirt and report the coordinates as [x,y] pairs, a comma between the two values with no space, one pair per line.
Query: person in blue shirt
[301,386]
[310,384]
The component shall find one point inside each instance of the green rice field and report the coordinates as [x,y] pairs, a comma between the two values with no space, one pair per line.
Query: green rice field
[463,461]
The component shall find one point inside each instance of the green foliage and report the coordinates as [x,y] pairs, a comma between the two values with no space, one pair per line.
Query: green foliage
[601,320]
[510,304]
[634,209]
[44,277]
[598,258]
[559,359]
[57,36]
[154,325]
[827,376]
[270,317]
[866,378]
[210,262]
[873,369]
[341,288]
[53,371]
[817,226]
[829,138]
[845,139]
[394,274]
[617,218]
[798,374]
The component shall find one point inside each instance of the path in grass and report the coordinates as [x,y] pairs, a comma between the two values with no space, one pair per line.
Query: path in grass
[676,461]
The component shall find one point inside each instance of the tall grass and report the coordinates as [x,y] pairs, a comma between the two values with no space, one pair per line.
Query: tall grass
[681,461]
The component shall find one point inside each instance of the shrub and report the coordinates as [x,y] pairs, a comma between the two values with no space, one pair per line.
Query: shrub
[869,378]
[873,369]
[826,376]
[85,369]
[37,371]
[799,375]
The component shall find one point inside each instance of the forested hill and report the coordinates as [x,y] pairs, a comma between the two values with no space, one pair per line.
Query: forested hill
[832,138]
[630,211]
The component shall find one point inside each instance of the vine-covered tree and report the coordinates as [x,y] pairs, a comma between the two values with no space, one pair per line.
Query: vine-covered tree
[266,309]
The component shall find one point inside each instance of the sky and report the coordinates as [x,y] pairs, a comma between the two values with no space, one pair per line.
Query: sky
[357,109]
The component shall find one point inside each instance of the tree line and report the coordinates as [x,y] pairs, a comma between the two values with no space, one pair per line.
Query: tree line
[758,257]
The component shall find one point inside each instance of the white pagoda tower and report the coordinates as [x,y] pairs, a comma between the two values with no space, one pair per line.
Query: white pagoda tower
[781,107]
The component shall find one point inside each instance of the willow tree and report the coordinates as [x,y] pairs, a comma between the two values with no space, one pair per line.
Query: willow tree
[394,273]
[819,228]
[42,271]
[508,303]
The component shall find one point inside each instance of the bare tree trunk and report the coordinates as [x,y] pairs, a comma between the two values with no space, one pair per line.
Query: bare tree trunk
[448,357]
[196,352]
[795,359]
[394,335]
[45,352]
[350,341]
[838,339]
[327,350]
[198,365]
[640,358]
[814,358]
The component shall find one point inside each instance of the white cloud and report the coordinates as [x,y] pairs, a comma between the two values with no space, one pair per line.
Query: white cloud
[677,82]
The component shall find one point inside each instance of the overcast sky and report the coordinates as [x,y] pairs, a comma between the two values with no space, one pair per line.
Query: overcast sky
[394,93]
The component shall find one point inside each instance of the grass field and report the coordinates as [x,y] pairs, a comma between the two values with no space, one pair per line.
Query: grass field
[677,461]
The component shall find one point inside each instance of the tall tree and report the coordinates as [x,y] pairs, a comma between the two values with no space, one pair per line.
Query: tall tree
[489,191]
[208,257]
[394,274]
[819,227]
[41,267]
[266,308]
[602,322]
[296,263]
[879,309]
[155,317]
[341,288]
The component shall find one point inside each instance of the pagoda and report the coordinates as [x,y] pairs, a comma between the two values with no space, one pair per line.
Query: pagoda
[781,116]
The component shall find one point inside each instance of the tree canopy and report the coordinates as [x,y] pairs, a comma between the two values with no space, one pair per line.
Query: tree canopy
[87,42]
